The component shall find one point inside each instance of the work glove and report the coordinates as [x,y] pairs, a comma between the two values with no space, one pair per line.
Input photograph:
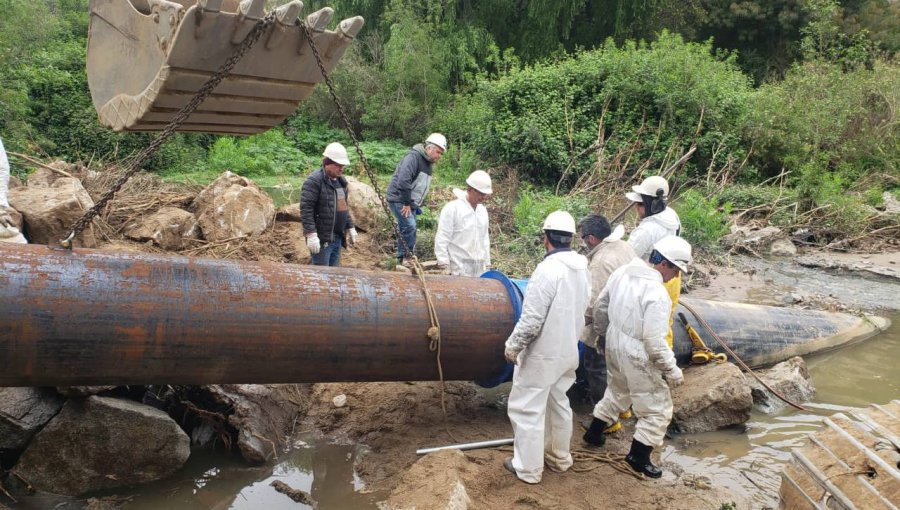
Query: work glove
[418,211]
[353,236]
[512,355]
[674,377]
[312,242]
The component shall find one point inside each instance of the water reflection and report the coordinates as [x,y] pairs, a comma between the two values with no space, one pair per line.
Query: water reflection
[210,482]
[751,463]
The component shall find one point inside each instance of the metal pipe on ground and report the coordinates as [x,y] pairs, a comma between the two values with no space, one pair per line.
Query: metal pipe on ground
[466,446]
[87,317]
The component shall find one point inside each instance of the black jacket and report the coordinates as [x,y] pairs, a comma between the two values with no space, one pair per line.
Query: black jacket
[318,205]
[413,163]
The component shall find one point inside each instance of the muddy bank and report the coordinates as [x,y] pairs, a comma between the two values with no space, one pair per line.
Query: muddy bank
[394,419]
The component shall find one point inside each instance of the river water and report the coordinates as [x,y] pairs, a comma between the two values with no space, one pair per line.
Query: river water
[750,463]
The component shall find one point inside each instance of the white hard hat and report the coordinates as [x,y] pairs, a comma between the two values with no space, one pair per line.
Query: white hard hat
[560,221]
[676,250]
[337,153]
[648,186]
[480,180]
[437,139]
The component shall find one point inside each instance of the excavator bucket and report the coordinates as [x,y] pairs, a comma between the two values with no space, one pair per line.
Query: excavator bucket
[146,59]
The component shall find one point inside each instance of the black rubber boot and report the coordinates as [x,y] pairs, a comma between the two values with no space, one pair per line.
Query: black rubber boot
[639,459]
[594,434]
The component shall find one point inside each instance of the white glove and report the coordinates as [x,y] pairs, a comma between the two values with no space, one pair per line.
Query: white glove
[353,236]
[312,242]
[674,377]
[512,355]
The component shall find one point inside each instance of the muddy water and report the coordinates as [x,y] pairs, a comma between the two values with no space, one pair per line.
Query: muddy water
[210,482]
[750,463]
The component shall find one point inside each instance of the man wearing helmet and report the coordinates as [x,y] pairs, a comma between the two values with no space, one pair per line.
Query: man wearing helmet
[462,244]
[633,313]
[408,187]
[657,221]
[324,209]
[544,348]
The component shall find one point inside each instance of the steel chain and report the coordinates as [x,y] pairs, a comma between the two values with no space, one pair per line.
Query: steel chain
[223,71]
[434,332]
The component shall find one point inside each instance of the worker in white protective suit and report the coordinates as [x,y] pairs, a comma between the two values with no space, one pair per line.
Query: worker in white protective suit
[544,348]
[9,233]
[633,311]
[462,244]
[657,221]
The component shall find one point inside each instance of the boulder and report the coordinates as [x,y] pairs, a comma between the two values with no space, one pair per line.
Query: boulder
[260,414]
[757,240]
[782,247]
[23,411]
[434,482]
[170,228]
[368,214]
[713,396]
[790,378]
[103,443]
[50,210]
[891,204]
[233,206]
[82,391]
[290,212]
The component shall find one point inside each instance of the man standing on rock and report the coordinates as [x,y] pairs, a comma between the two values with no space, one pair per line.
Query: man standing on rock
[408,187]
[544,348]
[633,312]
[9,233]
[607,252]
[324,209]
[462,244]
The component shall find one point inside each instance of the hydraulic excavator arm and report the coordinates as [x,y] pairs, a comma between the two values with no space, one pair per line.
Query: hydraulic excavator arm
[147,58]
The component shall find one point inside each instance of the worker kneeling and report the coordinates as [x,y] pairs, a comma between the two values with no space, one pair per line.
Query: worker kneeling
[633,310]
[544,348]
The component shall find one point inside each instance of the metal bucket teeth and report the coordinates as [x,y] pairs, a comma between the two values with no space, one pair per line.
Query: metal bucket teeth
[140,77]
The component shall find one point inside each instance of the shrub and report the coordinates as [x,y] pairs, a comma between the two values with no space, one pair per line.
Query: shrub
[268,153]
[703,221]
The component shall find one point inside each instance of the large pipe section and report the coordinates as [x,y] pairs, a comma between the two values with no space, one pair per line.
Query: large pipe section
[87,317]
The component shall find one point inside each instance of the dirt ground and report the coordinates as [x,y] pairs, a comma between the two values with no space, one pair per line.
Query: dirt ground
[395,419]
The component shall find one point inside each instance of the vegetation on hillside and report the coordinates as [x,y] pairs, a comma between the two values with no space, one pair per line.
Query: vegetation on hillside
[792,105]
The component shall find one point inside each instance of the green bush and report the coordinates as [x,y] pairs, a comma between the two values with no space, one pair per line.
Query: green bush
[703,221]
[533,207]
[268,153]
[542,116]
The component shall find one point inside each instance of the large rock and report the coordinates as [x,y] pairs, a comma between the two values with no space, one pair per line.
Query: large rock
[782,247]
[368,214]
[82,391]
[790,378]
[757,240]
[23,411]
[289,212]
[103,443]
[713,396]
[233,206]
[50,206]
[170,228]
[434,482]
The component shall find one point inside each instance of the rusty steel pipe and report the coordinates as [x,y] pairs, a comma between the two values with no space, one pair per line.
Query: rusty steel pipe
[88,317]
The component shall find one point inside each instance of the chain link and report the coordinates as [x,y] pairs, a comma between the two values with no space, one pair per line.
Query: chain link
[221,73]
[434,332]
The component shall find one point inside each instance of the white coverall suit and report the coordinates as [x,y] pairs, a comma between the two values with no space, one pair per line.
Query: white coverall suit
[8,232]
[547,338]
[462,242]
[634,309]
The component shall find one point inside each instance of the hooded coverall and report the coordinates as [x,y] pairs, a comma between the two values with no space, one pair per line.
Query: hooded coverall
[8,232]
[644,236]
[546,337]
[462,242]
[611,254]
[633,309]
